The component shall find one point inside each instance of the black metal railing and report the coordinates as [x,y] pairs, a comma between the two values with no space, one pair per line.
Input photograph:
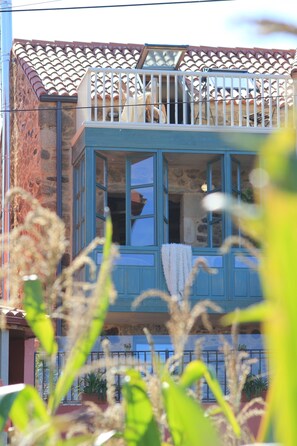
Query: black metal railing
[143,359]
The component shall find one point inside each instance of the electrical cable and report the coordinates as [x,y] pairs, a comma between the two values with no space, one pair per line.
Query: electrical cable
[127,5]
[156,104]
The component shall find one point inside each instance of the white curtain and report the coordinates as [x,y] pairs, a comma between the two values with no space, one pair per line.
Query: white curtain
[177,265]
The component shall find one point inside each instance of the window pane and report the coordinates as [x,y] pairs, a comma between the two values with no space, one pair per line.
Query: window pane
[162,58]
[143,232]
[100,201]
[142,171]
[100,170]
[216,230]
[99,227]
[142,201]
[187,217]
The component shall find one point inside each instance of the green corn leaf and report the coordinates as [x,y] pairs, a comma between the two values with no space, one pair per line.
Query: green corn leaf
[248,216]
[278,270]
[186,420]
[194,371]
[141,428]
[36,316]
[8,395]
[28,406]
[224,405]
[254,313]
[84,343]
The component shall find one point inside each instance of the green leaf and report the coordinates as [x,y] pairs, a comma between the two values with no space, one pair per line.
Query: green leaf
[224,405]
[248,216]
[278,158]
[186,420]
[28,406]
[141,428]
[194,371]
[254,313]
[8,394]
[85,341]
[36,316]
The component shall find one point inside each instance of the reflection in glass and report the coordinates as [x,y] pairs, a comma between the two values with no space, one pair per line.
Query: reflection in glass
[142,171]
[216,231]
[143,232]
[142,201]
[100,201]
[100,171]
[99,227]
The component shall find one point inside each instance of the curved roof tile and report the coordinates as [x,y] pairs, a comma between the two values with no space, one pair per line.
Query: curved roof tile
[55,68]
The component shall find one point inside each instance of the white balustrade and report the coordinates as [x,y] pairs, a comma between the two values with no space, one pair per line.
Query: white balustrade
[180,100]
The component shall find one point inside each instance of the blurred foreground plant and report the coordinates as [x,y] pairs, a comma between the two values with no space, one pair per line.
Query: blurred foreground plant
[272,222]
[158,408]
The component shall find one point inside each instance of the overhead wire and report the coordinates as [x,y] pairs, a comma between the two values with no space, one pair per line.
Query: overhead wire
[125,5]
[156,104]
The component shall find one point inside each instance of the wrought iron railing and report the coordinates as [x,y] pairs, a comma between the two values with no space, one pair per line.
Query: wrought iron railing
[213,358]
[179,100]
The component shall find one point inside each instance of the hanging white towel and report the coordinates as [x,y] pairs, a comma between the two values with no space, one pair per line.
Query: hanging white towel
[177,265]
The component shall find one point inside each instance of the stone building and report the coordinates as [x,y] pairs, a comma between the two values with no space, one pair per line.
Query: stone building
[143,129]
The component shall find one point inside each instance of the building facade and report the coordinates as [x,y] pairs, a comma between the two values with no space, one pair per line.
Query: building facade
[148,131]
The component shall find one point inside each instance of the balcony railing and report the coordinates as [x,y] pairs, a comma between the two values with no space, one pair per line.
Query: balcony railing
[213,358]
[175,99]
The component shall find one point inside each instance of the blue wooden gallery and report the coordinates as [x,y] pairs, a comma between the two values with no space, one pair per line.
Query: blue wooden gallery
[154,181]
[152,143]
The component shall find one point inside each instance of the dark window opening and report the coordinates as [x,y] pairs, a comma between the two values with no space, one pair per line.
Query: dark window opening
[117,206]
[174,203]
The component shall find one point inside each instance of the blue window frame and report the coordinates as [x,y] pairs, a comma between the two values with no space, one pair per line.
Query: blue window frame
[155,197]
[79,226]
[101,192]
[215,183]
[141,201]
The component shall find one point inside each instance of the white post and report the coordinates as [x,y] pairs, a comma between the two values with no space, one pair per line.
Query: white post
[6,43]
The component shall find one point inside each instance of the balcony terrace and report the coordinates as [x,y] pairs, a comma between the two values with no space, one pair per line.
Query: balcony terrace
[177,100]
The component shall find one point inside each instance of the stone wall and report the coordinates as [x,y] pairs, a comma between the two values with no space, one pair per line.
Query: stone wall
[33,148]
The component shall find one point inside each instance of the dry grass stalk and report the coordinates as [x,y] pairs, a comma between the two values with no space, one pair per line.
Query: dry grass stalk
[182,315]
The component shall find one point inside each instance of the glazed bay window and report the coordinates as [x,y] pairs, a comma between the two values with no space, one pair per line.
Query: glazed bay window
[126,183]
[190,178]
[156,197]
[141,208]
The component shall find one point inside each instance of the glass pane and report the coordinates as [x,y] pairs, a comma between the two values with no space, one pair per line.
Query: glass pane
[217,234]
[214,176]
[165,205]
[117,206]
[100,171]
[143,232]
[99,227]
[162,58]
[142,171]
[236,181]
[100,201]
[142,201]
[165,228]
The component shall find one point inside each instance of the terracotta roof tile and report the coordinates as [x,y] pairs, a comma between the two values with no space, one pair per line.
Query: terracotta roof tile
[56,68]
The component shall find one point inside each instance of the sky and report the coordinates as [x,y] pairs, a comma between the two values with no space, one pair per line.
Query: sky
[213,23]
